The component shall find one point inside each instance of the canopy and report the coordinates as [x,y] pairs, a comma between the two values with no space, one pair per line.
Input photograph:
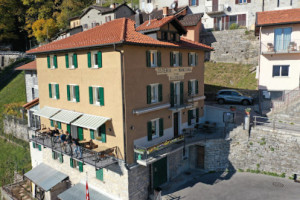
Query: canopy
[46,112]
[90,121]
[65,116]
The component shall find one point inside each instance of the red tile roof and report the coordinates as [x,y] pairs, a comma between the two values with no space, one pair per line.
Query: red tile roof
[116,31]
[31,103]
[155,23]
[278,17]
[28,66]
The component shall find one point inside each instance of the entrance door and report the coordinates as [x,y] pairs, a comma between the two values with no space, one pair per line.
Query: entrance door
[80,133]
[200,157]
[160,172]
[176,124]
[215,5]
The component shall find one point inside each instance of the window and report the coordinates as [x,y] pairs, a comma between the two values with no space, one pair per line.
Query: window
[52,61]
[71,60]
[176,90]
[54,155]
[53,90]
[233,20]
[282,38]
[99,174]
[95,59]
[243,1]
[175,59]
[193,87]
[193,59]
[193,116]
[96,95]
[100,133]
[73,93]
[278,3]
[2,61]
[153,58]
[33,93]
[164,35]
[107,18]
[193,2]
[280,70]
[154,93]
[76,164]
[155,128]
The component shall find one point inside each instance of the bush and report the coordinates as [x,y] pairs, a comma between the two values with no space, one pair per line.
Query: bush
[234,26]
[13,109]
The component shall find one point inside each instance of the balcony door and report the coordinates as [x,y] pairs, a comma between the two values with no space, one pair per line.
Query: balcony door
[176,124]
[282,38]
[215,5]
[177,93]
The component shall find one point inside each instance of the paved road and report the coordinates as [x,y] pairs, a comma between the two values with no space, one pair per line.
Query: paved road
[237,186]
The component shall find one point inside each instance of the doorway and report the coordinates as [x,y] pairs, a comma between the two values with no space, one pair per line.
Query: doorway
[160,172]
[176,124]
[200,157]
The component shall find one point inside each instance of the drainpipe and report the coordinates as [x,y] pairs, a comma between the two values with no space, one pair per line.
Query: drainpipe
[259,94]
[123,101]
[263,5]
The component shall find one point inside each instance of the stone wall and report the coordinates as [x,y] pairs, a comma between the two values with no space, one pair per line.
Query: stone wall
[16,127]
[232,46]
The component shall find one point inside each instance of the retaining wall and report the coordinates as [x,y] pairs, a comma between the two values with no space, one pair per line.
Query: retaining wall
[16,127]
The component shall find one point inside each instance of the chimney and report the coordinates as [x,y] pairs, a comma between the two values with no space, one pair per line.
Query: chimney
[165,11]
[138,18]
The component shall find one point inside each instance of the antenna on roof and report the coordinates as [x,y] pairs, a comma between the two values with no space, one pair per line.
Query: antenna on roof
[148,10]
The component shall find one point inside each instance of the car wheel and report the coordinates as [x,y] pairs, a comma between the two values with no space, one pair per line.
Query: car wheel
[221,101]
[245,103]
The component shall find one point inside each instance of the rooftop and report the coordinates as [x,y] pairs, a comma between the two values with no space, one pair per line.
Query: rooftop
[119,31]
[30,104]
[28,66]
[190,20]
[275,17]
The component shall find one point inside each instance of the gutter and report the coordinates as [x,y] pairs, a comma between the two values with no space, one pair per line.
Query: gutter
[123,102]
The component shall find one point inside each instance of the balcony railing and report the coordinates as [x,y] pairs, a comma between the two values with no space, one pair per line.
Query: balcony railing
[219,26]
[148,155]
[269,47]
[99,159]
[215,9]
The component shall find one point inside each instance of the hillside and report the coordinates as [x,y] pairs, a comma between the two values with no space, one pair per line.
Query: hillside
[227,75]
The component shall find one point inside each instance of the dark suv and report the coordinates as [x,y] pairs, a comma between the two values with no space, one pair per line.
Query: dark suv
[233,96]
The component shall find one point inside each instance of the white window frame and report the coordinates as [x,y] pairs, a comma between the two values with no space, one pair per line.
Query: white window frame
[71,64]
[156,121]
[154,93]
[52,62]
[95,93]
[193,87]
[153,58]
[175,58]
[193,120]
[94,55]
[72,92]
[193,57]
[53,90]
[280,71]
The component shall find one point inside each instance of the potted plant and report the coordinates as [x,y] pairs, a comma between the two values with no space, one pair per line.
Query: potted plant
[232,108]
[247,111]
[98,138]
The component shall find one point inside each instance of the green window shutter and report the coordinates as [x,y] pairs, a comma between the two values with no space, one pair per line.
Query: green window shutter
[69,128]
[80,164]
[196,87]
[77,93]
[149,127]
[75,60]
[89,58]
[189,59]
[148,64]
[53,155]
[101,92]
[50,90]
[172,94]
[68,93]
[67,60]
[99,174]
[148,94]
[190,116]
[171,59]
[160,96]
[57,91]
[181,93]
[197,115]
[91,95]
[48,61]
[59,125]
[92,134]
[103,133]
[71,163]
[99,54]
[161,127]
[197,57]
[61,158]
[159,59]
[80,133]
[180,59]
[52,123]
[190,88]
[55,61]
[33,145]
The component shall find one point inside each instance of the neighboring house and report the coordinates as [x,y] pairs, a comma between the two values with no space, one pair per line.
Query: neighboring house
[123,91]
[9,57]
[278,71]
[220,14]
[32,93]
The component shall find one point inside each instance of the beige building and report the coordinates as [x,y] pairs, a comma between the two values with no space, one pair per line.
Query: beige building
[124,92]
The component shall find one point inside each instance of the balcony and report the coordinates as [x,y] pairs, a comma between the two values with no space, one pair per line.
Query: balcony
[215,9]
[283,47]
[99,158]
[148,155]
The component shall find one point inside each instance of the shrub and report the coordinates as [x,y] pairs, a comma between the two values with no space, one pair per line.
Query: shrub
[13,109]
[234,26]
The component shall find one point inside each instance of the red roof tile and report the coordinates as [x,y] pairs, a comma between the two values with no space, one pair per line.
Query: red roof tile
[278,17]
[116,31]
[28,66]
[154,23]
[31,103]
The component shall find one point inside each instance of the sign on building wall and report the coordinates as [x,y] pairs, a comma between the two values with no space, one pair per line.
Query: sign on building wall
[174,74]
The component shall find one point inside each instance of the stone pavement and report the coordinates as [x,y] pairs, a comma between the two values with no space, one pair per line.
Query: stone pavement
[231,186]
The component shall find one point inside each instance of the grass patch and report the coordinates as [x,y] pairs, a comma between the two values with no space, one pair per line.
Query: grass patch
[257,171]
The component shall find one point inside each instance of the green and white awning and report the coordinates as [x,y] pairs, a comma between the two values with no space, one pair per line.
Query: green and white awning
[66,116]
[90,121]
[46,112]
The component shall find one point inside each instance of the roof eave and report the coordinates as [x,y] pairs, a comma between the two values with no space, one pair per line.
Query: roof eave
[276,24]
